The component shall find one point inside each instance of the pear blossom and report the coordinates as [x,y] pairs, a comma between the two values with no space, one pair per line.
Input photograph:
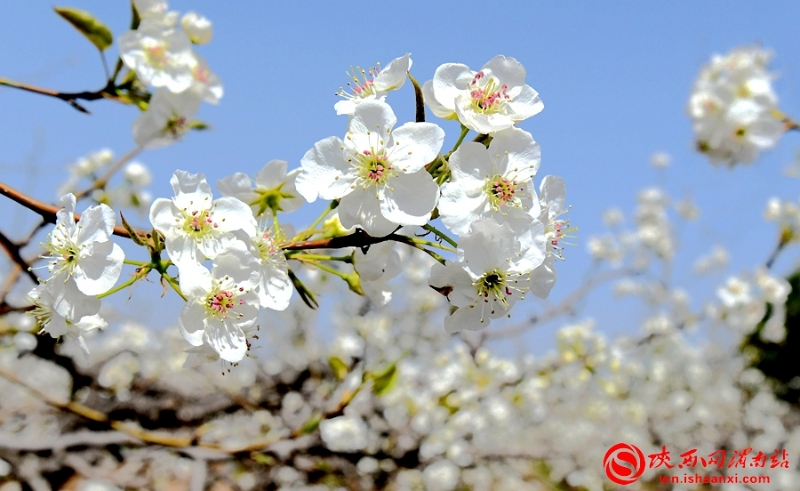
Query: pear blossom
[56,324]
[378,173]
[490,182]
[160,55]
[86,167]
[491,274]
[197,27]
[734,108]
[82,251]
[274,285]
[205,82]
[271,190]
[166,118]
[489,100]
[221,304]
[552,196]
[155,11]
[375,267]
[373,84]
[194,226]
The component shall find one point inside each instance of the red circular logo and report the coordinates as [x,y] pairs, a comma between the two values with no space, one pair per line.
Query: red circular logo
[624,463]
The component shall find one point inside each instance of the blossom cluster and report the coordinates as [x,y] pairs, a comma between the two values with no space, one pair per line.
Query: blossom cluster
[83,263]
[734,107]
[160,53]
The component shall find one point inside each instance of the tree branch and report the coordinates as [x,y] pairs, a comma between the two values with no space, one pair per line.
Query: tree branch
[71,98]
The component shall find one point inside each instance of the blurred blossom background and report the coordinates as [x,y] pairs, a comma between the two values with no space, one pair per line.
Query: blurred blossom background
[615,79]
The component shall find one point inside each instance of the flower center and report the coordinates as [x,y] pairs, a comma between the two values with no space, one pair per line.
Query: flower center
[156,54]
[223,300]
[374,167]
[487,94]
[201,73]
[362,83]
[176,126]
[503,191]
[267,246]
[493,285]
[63,252]
[199,223]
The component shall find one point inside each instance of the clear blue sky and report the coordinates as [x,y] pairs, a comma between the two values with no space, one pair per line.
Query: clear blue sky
[614,78]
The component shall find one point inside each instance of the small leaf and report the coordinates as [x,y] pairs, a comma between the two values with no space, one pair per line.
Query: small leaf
[305,294]
[338,367]
[311,424]
[419,100]
[135,237]
[135,17]
[384,380]
[94,30]
[198,125]
[158,241]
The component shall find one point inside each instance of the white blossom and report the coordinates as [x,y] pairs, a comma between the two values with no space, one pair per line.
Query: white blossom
[166,118]
[490,182]
[221,304]
[378,173]
[492,273]
[160,55]
[373,84]
[197,27]
[489,100]
[196,227]
[273,189]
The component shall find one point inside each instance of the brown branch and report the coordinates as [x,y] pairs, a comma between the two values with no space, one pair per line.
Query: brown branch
[12,250]
[357,239]
[48,212]
[71,98]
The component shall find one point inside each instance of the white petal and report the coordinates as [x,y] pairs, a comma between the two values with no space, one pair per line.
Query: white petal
[363,208]
[227,340]
[393,75]
[325,172]
[191,322]
[415,145]
[410,198]
[98,274]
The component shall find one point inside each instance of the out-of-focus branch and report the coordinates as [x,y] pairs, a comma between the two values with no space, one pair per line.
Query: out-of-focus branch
[71,98]
[567,305]
[12,250]
[101,182]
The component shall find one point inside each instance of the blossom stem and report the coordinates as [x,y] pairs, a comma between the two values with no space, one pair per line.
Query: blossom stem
[464,131]
[430,243]
[440,234]
[310,230]
[351,279]
[320,257]
[121,286]
[134,263]
[174,284]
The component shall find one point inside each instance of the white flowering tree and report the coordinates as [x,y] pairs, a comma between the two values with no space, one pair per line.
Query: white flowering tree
[420,245]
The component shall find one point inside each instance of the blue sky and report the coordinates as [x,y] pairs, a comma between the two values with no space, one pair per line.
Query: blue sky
[614,78]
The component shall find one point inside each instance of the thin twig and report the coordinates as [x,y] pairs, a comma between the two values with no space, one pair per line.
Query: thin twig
[101,182]
[565,306]
[12,250]
[71,98]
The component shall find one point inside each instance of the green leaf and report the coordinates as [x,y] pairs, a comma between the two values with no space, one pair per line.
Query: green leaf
[135,17]
[384,380]
[338,367]
[135,237]
[311,424]
[94,30]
